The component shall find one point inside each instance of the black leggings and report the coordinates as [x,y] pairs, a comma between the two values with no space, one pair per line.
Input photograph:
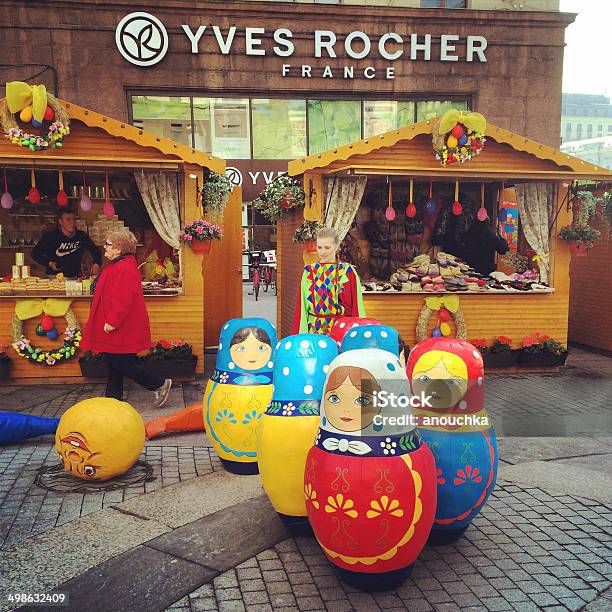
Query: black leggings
[127,364]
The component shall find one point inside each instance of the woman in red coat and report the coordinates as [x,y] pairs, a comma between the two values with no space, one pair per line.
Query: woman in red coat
[118,324]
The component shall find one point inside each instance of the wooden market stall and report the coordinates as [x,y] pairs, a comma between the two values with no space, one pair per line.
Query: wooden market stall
[507,160]
[97,148]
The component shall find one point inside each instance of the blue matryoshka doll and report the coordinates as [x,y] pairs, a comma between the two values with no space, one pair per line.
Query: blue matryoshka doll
[457,429]
[239,391]
[290,423]
[381,336]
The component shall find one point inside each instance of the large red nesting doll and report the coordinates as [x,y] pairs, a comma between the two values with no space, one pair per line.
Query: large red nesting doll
[456,428]
[369,482]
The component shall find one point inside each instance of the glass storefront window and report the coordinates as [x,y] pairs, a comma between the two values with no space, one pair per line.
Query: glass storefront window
[332,123]
[431,108]
[279,128]
[222,126]
[383,116]
[166,116]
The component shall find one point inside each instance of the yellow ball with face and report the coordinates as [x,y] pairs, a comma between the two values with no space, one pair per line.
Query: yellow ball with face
[99,438]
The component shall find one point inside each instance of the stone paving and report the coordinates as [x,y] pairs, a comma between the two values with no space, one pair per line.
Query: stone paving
[528,550]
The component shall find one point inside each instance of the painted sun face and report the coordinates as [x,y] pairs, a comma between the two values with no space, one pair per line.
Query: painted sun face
[446,389]
[349,408]
[77,458]
[251,354]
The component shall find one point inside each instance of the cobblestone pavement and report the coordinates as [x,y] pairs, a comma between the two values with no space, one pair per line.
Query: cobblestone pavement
[528,550]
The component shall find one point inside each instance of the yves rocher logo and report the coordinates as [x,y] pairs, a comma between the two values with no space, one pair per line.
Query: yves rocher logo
[141,39]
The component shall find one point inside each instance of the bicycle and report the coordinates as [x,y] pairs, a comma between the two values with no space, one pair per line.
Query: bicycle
[255,264]
[269,274]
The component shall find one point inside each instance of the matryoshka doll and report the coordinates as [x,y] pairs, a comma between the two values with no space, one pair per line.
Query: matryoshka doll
[369,483]
[239,391]
[456,428]
[375,336]
[290,423]
[344,324]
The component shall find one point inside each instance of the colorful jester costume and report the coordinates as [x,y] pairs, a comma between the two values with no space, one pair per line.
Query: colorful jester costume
[327,291]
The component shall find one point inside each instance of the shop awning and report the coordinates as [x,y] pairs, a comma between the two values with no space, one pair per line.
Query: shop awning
[96,140]
[408,151]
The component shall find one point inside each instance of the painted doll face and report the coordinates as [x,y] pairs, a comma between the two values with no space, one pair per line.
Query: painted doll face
[445,380]
[327,249]
[349,407]
[251,353]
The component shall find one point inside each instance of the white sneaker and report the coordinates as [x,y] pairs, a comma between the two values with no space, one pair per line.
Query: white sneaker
[161,395]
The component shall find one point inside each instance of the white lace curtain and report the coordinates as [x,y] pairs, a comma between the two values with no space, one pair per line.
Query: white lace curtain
[536,206]
[345,193]
[160,194]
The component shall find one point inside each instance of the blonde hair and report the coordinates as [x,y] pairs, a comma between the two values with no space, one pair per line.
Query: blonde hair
[453,363]
[124,241]
[329,232]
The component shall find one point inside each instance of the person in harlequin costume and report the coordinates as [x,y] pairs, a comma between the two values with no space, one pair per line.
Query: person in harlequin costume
[369,484]
[451,371]
[328,289]
[239,391]
[290,423]
[344,324]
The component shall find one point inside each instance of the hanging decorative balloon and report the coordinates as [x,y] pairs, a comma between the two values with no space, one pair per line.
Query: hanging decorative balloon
[457,208]
[411,208]
[85,202]
[7,199]
[33,194]
[431,207]
[61,197]
[390,212]
[482,215]
[109,209]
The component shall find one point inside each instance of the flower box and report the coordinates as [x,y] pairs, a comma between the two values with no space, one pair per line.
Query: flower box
[201,247]
[541,360]
[5,367]
[173,368]
[500,360]
[93,368]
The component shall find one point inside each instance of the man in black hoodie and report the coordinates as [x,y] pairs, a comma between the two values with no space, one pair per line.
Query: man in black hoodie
[61,250]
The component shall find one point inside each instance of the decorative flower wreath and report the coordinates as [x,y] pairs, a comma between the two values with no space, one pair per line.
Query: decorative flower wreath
[72,340]
[282,194]
[51,137]
[433,305]
[457,137]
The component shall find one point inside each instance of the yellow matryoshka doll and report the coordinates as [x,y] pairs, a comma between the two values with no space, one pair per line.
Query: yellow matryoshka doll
[369,483]
[457,428]
[290,423]
[239,391]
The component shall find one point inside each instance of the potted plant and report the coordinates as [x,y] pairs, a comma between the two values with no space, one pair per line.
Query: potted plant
[200,234]
[580,237]
[307,233]
[93,365]
[282,194]
[215,193]
[171,359]
[542,351]
[500,354]
[5,363]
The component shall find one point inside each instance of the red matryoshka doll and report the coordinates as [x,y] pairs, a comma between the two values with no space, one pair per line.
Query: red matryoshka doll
[369,482]
[344,324]
[456,428]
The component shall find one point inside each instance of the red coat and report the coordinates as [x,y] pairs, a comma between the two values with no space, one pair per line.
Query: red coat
[118,300]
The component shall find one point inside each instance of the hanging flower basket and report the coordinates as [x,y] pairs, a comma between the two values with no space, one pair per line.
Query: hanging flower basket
[311,246]
[282,194]
[201,247]
[580,237]
[579,248]
[200,234]
[215,193]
